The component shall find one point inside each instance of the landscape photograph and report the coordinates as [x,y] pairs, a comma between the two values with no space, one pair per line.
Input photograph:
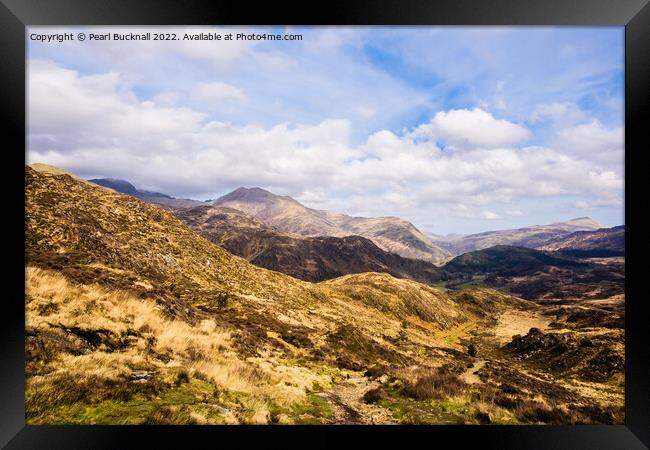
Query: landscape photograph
[325,226]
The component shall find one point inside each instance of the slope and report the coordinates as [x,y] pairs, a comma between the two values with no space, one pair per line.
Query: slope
[530,237]
[126,187]
[286,214]
[599,243]
[123,298]
[306,258]
[538,275]
[132,318]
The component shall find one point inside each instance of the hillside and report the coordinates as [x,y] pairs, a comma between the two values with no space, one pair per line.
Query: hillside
[125,187]
[530,237]
[598,243]
[537,275]
[133,318]
[507,260]
[307,258]
[286,214]
[403,297]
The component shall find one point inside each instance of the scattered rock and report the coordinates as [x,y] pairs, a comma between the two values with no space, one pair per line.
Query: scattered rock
[140,376]
[483,418]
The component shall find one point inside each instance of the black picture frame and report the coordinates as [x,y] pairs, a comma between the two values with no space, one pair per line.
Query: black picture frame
[15,15]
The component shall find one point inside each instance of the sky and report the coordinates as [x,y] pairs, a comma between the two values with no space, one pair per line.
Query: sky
[456,129]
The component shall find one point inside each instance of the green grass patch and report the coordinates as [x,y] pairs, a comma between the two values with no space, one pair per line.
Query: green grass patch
[194,396]
[314,410]
[475,282]
[450,406]
[433,411]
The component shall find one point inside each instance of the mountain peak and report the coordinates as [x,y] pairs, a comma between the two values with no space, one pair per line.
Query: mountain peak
[116,184]
[46,168]
[585,221]
[391,234]
[253,194]
[126,187]
[51,170]
[251,189]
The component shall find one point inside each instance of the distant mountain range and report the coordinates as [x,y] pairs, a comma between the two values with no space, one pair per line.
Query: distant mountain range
[598,243]
[506,260]
[286,214]
[537,274]
[146,321]
[271,230]
[125,187]
[531,237]
[315,258]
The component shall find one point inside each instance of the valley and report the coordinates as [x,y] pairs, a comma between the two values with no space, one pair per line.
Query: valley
[307,258]
[142,314]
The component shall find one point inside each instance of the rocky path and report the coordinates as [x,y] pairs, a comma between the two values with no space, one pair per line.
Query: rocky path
[346,401]
[470,376]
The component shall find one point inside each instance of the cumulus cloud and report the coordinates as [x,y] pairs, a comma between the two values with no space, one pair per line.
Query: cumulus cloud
[472,128]
[594,141]
[490,215]
[565,112]
[591,205]
[96,125]
[365,111]
[305,81]
[216,91]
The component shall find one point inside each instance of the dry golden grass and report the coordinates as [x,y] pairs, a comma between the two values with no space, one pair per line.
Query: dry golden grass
[401,298]
[118,311]
[139,281]
[203,348]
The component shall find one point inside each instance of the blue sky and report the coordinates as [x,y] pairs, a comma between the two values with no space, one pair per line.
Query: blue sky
[458,129]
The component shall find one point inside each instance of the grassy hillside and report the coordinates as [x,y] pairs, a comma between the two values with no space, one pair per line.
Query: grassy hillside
[529,237]
[117,250]
[604,242]
[537,275]
[133,318]
[307,258]
[507,260]
[391,234]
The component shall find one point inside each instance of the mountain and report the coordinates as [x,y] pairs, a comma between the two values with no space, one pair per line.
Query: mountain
[133,318]
[537,275]
[530,237]
[281,212]
[118,288]
[506,260]
[394,235]
[403,297]
[286,214]
[598,243]
[307,258]
[126,187]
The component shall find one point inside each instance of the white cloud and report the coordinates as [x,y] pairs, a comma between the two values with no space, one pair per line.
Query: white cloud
[514,212]
[167,98]
[490,215]
[365,111]
[591,205]
[95,125]
[594,141]
[564,112]
[472,128]
[331,38]
[296,82]
[217,91]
